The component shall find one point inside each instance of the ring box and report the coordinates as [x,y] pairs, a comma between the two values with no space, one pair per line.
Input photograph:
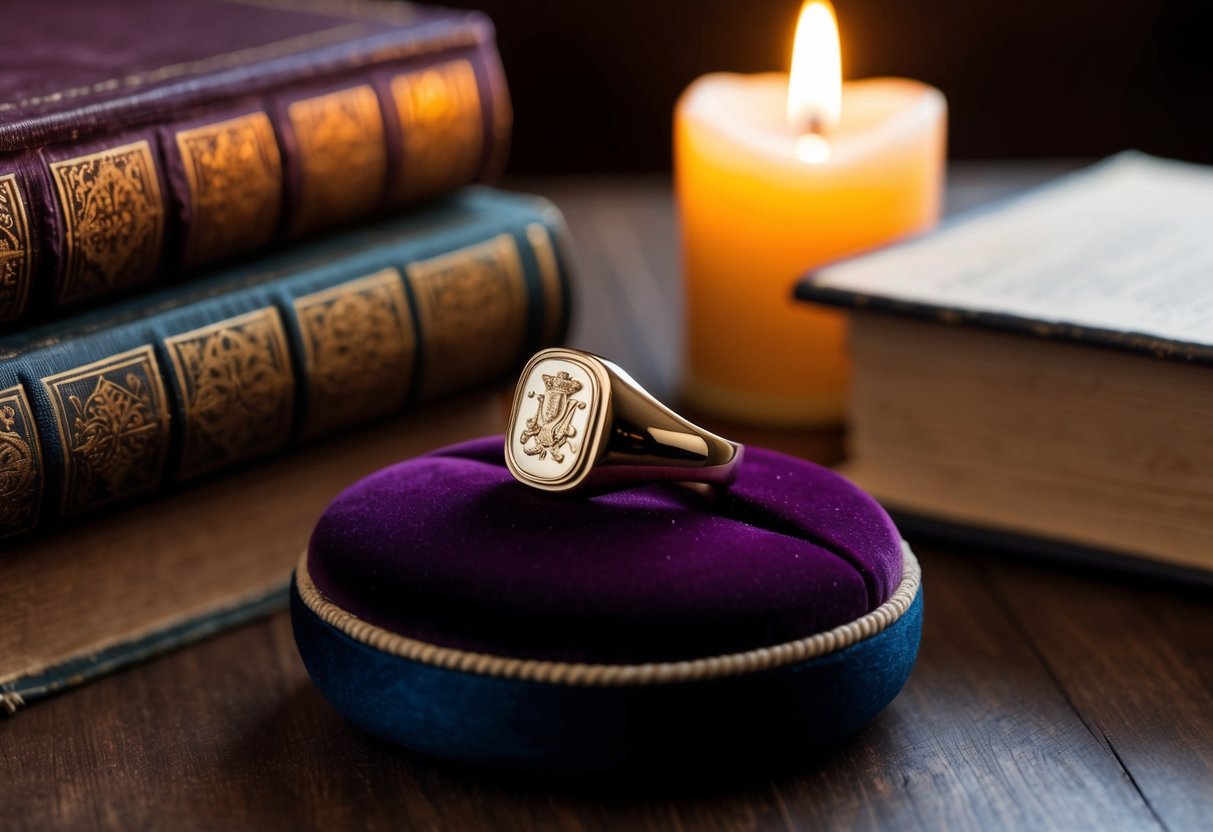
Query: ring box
[446,607]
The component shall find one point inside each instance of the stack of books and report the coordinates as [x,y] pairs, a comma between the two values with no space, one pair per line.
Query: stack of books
[235,231]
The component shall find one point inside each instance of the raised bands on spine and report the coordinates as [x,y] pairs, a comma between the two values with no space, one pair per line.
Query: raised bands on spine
[117,405]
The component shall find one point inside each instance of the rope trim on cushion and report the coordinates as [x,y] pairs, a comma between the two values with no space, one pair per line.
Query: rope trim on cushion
[615,675]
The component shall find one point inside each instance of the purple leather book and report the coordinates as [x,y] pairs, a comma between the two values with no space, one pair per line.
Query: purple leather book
[141,140]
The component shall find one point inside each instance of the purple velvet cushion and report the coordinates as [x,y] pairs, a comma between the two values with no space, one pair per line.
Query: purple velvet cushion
[449,549]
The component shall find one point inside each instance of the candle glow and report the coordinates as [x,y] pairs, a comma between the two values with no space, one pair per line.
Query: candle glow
[775,174]
[815,82]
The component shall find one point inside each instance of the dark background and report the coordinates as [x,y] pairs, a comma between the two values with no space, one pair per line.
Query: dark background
[594,83]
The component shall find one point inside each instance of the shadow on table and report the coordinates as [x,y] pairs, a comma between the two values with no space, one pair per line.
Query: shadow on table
[341,773]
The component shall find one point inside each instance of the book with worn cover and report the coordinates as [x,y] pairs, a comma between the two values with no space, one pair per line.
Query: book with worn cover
[121,403]
[141,139]
[1040,372]
[133,584]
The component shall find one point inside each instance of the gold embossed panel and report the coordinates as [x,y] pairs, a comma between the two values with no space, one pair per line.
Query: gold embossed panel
[113,220]
[442,127]
[235,181]
[14,250]
[238,389]
[113,424]
[342,157]
[472,308]
[359,346]
[20,464]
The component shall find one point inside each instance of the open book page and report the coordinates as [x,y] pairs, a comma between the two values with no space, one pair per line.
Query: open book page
[1125,246]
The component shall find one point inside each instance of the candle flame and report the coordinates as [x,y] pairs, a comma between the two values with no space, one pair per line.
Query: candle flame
[815,85]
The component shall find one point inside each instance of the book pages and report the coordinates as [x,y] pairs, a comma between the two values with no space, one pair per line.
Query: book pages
[1126,246]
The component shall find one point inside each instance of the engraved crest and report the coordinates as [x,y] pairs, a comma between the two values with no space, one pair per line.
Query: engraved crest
[235,181]
[238,389]
[113,424]
[113,218]
[20,464]
[14,250]
[551,428]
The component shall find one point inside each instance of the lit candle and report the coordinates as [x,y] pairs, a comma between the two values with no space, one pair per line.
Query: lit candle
[775,174]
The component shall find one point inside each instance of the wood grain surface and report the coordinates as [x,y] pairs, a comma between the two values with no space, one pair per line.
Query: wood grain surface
[1045,697]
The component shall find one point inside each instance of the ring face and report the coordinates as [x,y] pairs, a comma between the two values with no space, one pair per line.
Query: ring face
[556,422]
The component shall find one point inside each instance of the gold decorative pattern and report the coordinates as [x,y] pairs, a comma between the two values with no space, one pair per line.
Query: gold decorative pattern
[359,345]
[442,128]
[14,250]
[472,307]
[551,428]
[20,464]
[235,181]
[549,279]
[113,424]
[113,219]
[342,156]
[237,388]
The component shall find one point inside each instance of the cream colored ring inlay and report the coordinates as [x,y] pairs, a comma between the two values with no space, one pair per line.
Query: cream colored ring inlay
[616,675]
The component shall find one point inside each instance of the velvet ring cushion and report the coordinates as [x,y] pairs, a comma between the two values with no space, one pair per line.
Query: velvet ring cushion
[446,607]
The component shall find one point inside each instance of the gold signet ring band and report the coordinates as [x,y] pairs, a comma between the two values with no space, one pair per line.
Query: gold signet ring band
[581,423]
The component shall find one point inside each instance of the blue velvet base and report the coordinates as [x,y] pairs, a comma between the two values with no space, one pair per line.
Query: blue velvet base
[518,724]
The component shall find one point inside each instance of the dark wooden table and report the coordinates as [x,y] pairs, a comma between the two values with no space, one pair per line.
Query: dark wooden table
[1044,697]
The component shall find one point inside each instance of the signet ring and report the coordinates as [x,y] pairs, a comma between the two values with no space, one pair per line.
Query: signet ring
[580,423]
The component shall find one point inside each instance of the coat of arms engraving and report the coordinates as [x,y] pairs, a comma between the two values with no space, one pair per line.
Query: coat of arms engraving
[551,428]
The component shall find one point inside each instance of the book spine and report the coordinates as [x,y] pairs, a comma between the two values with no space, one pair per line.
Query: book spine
[126,410]
[87,219]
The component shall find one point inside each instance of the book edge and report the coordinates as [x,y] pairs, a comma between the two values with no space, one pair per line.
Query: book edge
[807,288]
[282,263]
[952,531]
[1045,550]
[457,29]
[77,668]
[1137,343]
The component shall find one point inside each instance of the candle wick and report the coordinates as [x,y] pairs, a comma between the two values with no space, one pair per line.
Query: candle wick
[813,146]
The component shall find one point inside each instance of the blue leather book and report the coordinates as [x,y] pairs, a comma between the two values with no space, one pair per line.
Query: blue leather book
[124,402]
